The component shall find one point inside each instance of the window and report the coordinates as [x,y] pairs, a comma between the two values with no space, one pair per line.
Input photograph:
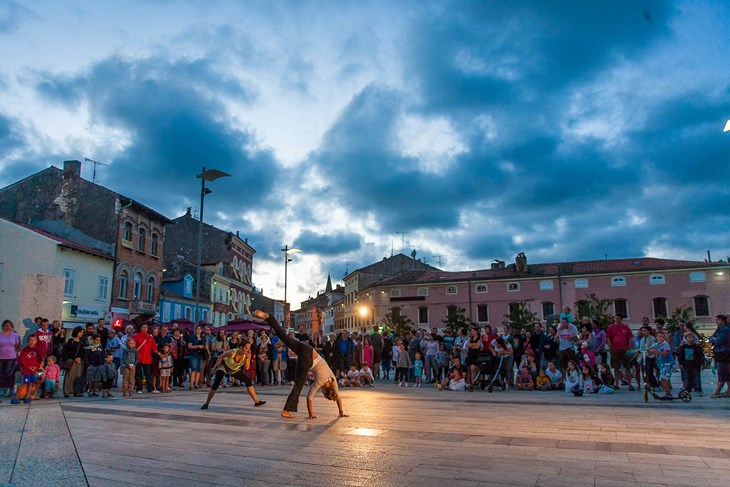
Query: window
[548,310]
[581,283]
[481,288]
[702,306]
[546,285]
[423,315]
[513,286]
[188,292]
[451,290]
[620,305]
[123,284]
[656,279]
[395,293]
[68,287]
[153,244]
[697,277]
[137,294]
[660,307]
[151,289]
[422,291]
[127,232]
[188,313]
[482,313]
[451,310]
[140,239]
[103,288]
[618,281]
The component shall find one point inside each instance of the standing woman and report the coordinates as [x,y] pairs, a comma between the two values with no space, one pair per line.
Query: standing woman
[367,352]
[473,346]
[9,348]
[264,360]
[252,366]
[196,351]
[74,368]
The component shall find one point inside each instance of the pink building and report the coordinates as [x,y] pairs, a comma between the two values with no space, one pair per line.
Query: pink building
[641,287]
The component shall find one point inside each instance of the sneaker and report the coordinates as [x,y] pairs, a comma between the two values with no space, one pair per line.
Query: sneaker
[716,395]
[155,391]
[439,387]
[15,400]
[631,388]
[139,392]
[26,400]
[93,394]
[204,406]
[260,403]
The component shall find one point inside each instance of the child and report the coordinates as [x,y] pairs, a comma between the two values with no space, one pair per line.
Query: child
[456,381]
[107,373]
[129,364]
[665,361]
[351,379]
[366,375]
[165,368]
[587,357]
[403,365]
[605,375]
[542,383]
[555,376]
[524,380]
[418,369]
[590,381]
[573,379]
[691,359]
[94,358]
[30,360]
[442,359]
[51,376]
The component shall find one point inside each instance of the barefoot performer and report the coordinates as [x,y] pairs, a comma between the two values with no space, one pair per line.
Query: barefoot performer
[233,363]
[309,361]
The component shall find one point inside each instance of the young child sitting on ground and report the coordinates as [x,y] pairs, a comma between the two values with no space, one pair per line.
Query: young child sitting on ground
[51,376]
[456,381]
[542,383]
[555,376]
[366,375]
[351,379]
[573,378]
[524,380]
[591,383]
[604,373]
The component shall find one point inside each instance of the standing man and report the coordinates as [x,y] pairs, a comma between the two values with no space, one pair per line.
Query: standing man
[347,349]
[376,340]
[567,336]
[537,342]
[101,331]
[721,349]
[619,338]
[302,336]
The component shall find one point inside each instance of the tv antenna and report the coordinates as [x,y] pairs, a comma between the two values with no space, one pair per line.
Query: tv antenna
[403,240]
[95,163]
[437,258]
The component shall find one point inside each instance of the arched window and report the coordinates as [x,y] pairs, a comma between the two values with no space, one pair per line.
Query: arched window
[151,289]
[140,239]
[127,232]
[153,244]
[702,306]
[137,286]
[123,284]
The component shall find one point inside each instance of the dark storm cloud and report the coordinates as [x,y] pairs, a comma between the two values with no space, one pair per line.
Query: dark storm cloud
[329,244]
[176,124]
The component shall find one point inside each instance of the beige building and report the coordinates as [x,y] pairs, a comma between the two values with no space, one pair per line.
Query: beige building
[42,274]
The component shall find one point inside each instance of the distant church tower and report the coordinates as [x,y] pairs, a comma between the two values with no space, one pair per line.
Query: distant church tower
[328,289]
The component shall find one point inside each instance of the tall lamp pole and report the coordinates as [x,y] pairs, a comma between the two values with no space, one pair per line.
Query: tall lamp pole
[209,175]
[287,251]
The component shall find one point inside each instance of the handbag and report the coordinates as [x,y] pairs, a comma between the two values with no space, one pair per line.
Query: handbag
[68,363]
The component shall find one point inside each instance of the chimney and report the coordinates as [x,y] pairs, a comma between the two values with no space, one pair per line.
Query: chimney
[521,262]
[188,212]
[72,169]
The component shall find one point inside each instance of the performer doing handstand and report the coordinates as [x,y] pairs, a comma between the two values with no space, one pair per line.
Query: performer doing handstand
[233,363]
[309,360]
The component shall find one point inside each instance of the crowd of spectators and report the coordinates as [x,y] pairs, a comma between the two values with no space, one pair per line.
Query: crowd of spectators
[573,355]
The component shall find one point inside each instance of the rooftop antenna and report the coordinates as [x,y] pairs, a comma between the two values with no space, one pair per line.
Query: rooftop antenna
[403,240]
[95,163]
[437,258]
[347,269]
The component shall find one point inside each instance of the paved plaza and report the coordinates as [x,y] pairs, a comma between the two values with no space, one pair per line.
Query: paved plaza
[394,437]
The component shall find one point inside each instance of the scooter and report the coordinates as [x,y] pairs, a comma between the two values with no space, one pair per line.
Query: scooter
[683,394]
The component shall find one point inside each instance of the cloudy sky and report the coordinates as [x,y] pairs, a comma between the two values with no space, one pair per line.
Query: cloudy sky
[566,129]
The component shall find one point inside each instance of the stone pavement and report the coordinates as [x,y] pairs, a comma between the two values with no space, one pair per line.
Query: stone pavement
[394,437]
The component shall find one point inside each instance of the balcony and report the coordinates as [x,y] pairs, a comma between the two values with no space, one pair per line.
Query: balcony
[143,307]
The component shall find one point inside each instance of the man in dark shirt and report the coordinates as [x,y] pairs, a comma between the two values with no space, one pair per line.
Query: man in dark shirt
[376,340]
[102,332]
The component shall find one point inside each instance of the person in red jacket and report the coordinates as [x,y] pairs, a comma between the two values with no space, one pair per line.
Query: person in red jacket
[31,363]
[145,344]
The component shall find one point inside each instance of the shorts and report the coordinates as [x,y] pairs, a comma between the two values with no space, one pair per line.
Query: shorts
[50,385]
[619,358]
[30,379]
[166,372]
[377,357]
[723,370]
[665,372]
[196,363]
[95,373]
[278,364]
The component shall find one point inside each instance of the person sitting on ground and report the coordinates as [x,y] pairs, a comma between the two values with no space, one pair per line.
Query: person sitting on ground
[573,378]
[456,365]
[366,375]
[233,363]
[352,377]
[456,380]
[555,376]
[528,360]
[591,382]
[542,383]
[605,375]
[524,380]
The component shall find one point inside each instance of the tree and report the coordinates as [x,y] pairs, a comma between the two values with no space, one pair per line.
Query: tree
[520,316]
[595,309]
[683,313]
[396,323]
[456,319]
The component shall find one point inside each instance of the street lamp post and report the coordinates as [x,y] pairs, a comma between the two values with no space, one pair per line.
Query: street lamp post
[209,175]
[287,251]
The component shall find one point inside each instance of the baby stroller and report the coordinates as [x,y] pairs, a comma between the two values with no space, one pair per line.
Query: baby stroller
[488,376]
